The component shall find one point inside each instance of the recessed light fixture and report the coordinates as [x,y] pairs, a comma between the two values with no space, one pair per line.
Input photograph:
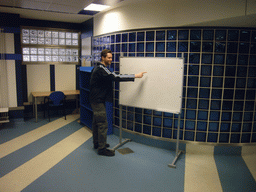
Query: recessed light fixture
[96,7]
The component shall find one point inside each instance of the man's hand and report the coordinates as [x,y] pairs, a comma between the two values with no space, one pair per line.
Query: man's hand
[139,75]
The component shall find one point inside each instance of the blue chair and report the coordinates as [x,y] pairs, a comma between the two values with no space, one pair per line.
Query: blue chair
[55,100]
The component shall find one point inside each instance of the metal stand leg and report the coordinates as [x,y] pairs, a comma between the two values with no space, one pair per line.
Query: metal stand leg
[120,127]
[178,152]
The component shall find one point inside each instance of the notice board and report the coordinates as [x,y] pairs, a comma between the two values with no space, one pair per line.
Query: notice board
[160,88]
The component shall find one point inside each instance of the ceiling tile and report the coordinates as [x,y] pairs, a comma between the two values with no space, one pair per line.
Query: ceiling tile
[7,3]
[63,8]
[74,3]
[107,2]
[28,4]
[42,1]
[50,16]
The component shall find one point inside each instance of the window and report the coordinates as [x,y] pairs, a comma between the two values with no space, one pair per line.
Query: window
[50,46]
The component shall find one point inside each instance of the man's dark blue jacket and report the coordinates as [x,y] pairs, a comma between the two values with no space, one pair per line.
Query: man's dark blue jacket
[101,83]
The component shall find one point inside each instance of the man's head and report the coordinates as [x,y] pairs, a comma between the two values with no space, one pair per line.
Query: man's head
[106,57]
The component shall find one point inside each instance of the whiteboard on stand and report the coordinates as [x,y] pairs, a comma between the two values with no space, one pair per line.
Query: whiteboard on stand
[159,89]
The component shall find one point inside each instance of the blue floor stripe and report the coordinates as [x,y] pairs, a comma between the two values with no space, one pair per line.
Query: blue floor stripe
[228,150]
[234,174]
[144,170]
[17,127]
[17,158]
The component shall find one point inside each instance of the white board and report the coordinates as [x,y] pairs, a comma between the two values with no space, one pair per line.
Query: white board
[161,87]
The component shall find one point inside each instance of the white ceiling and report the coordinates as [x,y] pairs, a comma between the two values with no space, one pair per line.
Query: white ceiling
[67,11]
[53,10]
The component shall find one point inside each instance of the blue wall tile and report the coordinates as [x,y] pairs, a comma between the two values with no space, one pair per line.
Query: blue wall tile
[219,74]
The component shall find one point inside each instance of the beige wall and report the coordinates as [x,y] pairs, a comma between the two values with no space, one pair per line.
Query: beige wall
[38,79]
[65,77]
[175,13]
[8,48]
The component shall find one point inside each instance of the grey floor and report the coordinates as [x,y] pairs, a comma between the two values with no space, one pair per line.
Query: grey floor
[59,156]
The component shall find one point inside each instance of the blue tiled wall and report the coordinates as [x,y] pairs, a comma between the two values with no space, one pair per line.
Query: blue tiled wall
[219,82]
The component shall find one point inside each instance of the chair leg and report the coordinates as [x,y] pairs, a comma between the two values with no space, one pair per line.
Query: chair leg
[64,111]
[44,110]
[49,113]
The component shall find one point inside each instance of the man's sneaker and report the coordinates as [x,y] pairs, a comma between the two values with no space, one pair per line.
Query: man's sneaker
[96,146]
[106,152]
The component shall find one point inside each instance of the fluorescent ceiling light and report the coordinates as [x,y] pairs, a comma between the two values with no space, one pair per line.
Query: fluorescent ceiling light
[96,7]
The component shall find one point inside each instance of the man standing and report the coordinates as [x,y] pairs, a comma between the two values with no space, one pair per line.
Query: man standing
[101,90]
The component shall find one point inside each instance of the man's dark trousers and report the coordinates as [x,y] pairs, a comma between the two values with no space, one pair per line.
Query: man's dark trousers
[99,125]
